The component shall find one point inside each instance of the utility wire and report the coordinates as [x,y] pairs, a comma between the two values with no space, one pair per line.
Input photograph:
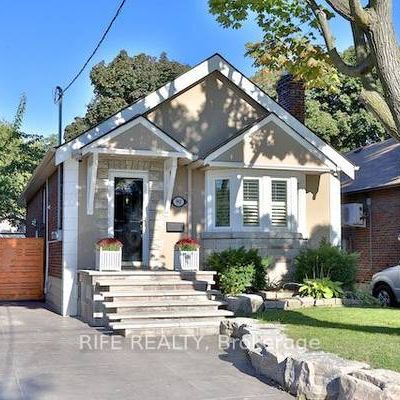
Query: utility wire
[60,94]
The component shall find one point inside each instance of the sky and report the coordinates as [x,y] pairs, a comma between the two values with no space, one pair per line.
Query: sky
[43,43]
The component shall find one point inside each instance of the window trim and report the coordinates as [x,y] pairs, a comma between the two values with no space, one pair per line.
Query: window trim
[264,177]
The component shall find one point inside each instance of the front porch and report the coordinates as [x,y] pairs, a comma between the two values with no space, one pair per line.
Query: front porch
[150,302]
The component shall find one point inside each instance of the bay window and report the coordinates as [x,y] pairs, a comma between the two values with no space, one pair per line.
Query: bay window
[253,200]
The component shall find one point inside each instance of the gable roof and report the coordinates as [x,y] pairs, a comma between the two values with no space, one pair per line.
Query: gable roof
[155,130]
[255,127]
[379,167]
[183,82]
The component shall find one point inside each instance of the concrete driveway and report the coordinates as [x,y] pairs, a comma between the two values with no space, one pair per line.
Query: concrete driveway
[45,356]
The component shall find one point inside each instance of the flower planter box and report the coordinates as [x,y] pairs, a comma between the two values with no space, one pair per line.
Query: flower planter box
[186,260]
[108,260]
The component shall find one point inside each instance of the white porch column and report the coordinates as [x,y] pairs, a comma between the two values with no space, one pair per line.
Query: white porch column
[335,232]
[70,236]
[170,167]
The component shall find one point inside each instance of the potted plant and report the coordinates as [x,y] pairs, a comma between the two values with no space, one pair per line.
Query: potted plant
[108,254]
[186,257]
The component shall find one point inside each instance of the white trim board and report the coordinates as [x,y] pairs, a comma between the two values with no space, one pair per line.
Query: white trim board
[123,173]
[183,82]
[272,167]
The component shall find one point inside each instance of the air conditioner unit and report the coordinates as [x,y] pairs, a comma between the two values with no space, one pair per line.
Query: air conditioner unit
[353,215]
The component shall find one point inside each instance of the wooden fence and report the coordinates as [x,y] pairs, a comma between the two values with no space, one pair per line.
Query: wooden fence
[21,268]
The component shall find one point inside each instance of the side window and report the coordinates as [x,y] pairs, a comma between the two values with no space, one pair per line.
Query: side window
[222,202]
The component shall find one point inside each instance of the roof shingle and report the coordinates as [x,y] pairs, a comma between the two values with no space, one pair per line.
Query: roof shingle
[379,165]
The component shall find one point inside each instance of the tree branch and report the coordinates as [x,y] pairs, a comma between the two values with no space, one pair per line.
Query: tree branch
[362,68]
[378,106]
[361,16]
[342,7]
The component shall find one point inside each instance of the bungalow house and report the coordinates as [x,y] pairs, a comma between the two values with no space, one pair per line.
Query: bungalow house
[371,207]
[208,155]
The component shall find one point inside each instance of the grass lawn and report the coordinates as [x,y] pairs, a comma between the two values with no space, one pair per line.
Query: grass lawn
[364,334]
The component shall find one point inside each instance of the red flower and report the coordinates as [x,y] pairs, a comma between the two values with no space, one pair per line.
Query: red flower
[108,242]
[187,244]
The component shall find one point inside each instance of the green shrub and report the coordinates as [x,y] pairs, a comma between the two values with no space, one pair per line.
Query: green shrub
[237,279]
[365,298]
[321,288]
[326,261]
[226,259]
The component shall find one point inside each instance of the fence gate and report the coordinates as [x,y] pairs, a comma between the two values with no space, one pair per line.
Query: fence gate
[21,268]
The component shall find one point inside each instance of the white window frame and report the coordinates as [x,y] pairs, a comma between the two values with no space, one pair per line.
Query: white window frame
[264,177]
[123,173]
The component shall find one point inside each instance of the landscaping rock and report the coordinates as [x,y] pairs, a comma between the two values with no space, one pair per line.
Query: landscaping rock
[315,374]
[374,384]
[307,301]
[276,294]
[236,327]
[309,375]
[245,303]
[274,304]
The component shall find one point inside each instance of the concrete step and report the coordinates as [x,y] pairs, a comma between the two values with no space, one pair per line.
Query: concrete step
[168,327]
[166,295]
[164,285]
[133,307]
[156,276]
[189,315]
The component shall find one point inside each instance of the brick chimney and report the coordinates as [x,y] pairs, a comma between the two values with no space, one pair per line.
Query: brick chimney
[291,96]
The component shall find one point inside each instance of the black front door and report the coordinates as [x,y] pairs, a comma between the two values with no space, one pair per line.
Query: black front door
[128,217]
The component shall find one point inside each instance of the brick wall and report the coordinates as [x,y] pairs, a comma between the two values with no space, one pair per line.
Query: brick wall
[55,247]
[291,96]
[55,259]
[377,244]
[53,203]
[34,212]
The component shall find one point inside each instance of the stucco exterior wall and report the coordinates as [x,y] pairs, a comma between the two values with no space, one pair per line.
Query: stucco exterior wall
[317,208]
[207,114]
[270,145]
[138,138]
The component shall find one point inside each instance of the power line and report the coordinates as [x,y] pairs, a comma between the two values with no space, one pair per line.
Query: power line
[94,51]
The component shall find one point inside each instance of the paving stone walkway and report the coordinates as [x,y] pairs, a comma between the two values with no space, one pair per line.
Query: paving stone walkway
[45,356]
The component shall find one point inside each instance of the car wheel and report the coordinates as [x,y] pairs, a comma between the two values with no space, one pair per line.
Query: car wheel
[385,295]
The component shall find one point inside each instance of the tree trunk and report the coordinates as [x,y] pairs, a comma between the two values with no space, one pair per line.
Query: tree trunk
[382,41]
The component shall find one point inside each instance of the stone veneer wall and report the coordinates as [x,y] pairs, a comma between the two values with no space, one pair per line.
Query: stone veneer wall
[155,216]
[283,247]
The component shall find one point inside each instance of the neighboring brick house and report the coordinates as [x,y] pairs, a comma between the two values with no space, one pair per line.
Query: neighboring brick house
[377,187]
